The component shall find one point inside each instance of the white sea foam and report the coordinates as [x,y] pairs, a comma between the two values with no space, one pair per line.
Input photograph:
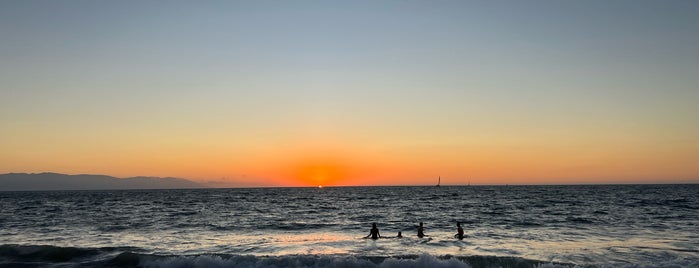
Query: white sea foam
[303,261]
[352,262]
[16,255]
[359,262]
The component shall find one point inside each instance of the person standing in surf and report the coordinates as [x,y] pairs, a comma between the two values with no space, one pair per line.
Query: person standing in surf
[374,233]
[420,231]
[459,231]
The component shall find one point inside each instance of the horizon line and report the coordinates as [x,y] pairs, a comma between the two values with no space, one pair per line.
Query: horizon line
[207,182]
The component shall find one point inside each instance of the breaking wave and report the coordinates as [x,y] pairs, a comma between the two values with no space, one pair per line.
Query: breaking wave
[42,255]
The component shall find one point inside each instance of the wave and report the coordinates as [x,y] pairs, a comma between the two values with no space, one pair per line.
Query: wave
[318,261]
[44,255]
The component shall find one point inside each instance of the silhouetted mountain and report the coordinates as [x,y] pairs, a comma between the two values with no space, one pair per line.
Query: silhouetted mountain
[55,181]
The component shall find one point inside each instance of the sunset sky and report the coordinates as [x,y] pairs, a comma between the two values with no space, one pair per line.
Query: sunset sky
[304,93]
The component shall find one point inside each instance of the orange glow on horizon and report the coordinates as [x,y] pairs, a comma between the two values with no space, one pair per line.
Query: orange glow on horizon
[319,171]
[314,164]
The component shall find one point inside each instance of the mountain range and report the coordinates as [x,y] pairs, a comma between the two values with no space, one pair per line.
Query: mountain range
[55,181]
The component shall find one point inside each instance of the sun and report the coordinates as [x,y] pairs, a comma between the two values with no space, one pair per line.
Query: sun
[320,173]
[320,168]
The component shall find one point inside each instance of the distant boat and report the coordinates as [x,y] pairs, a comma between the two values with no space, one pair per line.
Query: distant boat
[439,181]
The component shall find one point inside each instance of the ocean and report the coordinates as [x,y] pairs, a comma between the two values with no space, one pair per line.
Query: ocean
[505,226]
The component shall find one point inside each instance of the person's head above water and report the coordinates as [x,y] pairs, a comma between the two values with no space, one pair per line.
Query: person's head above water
[400,234]
[458,224]
[373,225]
[420,223]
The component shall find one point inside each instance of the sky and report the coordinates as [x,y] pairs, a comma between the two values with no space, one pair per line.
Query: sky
[305,93]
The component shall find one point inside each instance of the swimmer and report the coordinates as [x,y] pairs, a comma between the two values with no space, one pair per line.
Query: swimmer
[459,231]
[374,233]
[420,231]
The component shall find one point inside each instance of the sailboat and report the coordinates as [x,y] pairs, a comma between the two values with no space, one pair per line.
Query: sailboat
[439,181]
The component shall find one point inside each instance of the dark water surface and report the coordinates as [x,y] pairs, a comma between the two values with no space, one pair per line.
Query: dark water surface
[515,226]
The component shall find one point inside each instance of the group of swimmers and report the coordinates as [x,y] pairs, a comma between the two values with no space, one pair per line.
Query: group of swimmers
[374,232]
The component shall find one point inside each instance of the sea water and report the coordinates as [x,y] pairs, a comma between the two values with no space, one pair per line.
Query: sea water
[505,226]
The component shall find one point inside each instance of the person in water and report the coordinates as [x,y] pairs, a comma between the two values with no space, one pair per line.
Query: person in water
[374,233]
[420,231]
[459,231]
[400,235]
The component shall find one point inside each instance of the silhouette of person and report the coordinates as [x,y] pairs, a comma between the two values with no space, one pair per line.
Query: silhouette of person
[374,233]
[420,231]
[459,231]
[400,235]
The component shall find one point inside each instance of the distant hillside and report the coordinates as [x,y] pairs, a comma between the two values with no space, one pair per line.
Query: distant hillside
[55,181]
